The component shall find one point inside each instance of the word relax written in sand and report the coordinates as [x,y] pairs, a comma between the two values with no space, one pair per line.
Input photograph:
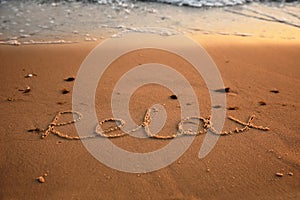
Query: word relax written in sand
[111,132]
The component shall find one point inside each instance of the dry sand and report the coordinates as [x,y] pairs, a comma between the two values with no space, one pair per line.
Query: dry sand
[242,166]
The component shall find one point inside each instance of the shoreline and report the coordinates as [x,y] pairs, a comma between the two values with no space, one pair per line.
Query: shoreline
[98,22]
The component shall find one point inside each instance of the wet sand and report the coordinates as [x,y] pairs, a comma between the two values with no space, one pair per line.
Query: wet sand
[241,166]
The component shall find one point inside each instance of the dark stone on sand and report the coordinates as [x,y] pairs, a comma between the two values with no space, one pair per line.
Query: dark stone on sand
[28,89]
[274,91]
[262,103]
[223,90]
[233,108]
[173,96]
[65,91]
[35,130]
[69,79]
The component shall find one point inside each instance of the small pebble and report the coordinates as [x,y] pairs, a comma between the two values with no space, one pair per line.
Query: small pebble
[29,75]
[223,90]
[233,108]
[279,174]
[262,103]
[41,179]
[227,89]
[27,89]
[173,96]
[65,91]
[243,34]
[34,130]
[274,91]
[290,173]
[69,79]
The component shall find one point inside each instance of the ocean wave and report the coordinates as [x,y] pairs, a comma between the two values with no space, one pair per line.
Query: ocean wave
[191,3]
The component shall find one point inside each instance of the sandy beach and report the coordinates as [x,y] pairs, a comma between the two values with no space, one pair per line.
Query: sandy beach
[263,77]
[241,166]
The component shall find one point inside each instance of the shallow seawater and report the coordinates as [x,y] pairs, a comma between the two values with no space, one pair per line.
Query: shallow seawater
[80,21]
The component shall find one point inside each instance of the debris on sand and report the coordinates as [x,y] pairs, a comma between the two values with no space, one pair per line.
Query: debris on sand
[173,96]
[262,103]
[41,179]
[26,90]
[35,130]
[290,173]
[279,174]
[243,34]
[223,90]
[274,91]
[232,108]
[65,91]
[69,79]
[30,75]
